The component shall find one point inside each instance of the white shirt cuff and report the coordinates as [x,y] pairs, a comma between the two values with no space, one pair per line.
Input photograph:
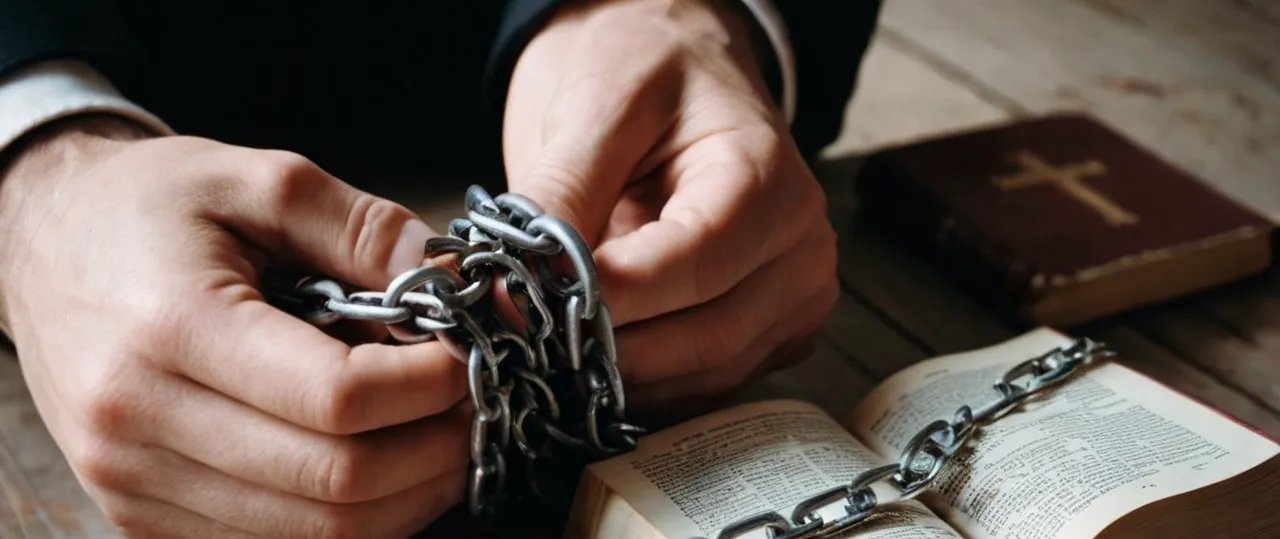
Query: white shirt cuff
[775,29]
[55,89]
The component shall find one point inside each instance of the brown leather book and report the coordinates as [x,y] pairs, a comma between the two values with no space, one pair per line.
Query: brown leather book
[1060,220]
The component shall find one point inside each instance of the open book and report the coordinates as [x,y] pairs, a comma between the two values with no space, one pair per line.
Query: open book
[1106,453]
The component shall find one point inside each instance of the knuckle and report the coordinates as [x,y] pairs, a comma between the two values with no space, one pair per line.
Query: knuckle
[766,142]
[342,406]
[719,343]
[372,227]
[337,521]
[715,268]
[110,403]
[283,177]
[336,475]
[152,328]
[109,410]
[556,184]
[123,515]
[100,466]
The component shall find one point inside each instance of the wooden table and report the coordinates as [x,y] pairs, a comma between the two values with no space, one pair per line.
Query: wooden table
[1198,82]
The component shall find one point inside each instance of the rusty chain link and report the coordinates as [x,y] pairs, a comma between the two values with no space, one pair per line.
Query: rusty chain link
[538,345]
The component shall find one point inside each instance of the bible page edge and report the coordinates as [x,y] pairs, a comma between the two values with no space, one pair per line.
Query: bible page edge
[1249,448]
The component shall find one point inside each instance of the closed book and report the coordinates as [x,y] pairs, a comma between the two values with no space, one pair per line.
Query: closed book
[1060,220]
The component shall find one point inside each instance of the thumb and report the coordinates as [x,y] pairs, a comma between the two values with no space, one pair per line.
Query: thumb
[301,215]
[574,179]
[575,154]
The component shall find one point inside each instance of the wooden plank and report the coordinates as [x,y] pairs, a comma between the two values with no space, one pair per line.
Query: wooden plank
[1251,310]
[1245,32]
[41,495]
[1216,349]
[827,379]
[901,98]
[1203,114]
[867,339]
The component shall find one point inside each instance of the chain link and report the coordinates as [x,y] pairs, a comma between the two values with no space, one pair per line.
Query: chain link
[542,363]
[924,457]
[538,345]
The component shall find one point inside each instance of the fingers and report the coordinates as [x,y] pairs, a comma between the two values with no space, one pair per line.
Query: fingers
[229,502]
[288,205]
[790,341]
[716,335]
[289,369]
[244,443]
[574,152]
[724,219]
[145,518]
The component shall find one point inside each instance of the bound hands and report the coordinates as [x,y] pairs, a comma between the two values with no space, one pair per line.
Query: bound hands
[646,124]
[187,406]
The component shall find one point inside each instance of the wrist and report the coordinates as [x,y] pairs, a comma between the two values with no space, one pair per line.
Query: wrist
[37,162]
[66,142]
[723,27]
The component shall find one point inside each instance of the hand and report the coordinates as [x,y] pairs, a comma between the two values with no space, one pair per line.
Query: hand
[185,404]
[645,124]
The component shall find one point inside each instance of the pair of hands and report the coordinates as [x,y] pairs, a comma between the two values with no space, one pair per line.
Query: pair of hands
[187,406]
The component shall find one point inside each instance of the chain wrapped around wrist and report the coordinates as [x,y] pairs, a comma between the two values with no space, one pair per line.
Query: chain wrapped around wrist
[542,369]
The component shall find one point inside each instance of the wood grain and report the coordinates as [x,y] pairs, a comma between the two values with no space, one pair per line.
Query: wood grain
[901,98]
[1195,81]
[1250,310]
[42,498]
[1244,32]
[1216,349]
[1189,107]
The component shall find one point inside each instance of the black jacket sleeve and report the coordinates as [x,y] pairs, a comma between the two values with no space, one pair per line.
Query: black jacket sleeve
[830,39]
[519,23]
[332,82]
[91,30]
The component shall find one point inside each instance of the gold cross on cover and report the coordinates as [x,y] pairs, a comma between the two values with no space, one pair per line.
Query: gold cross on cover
[1068,178]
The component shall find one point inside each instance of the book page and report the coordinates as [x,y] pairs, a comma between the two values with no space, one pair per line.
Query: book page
[1063,466]
[694,478]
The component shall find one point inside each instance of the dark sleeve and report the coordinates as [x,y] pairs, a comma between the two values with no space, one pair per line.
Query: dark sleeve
[829,38]
[91,30]
[520,21]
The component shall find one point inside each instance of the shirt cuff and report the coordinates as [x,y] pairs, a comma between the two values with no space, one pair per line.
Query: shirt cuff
[775,28]
[50,90]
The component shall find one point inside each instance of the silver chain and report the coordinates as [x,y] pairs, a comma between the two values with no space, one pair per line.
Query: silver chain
[924,457]
[542,365]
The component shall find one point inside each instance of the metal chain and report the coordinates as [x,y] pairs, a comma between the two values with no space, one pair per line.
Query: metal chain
[538,345]
[924,457]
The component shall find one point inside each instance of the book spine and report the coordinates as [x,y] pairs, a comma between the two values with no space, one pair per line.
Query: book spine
[901,210]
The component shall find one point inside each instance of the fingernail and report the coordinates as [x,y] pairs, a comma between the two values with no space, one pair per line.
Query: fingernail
[409,249]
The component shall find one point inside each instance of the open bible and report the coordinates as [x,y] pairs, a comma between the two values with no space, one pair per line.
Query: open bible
[1106,453]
